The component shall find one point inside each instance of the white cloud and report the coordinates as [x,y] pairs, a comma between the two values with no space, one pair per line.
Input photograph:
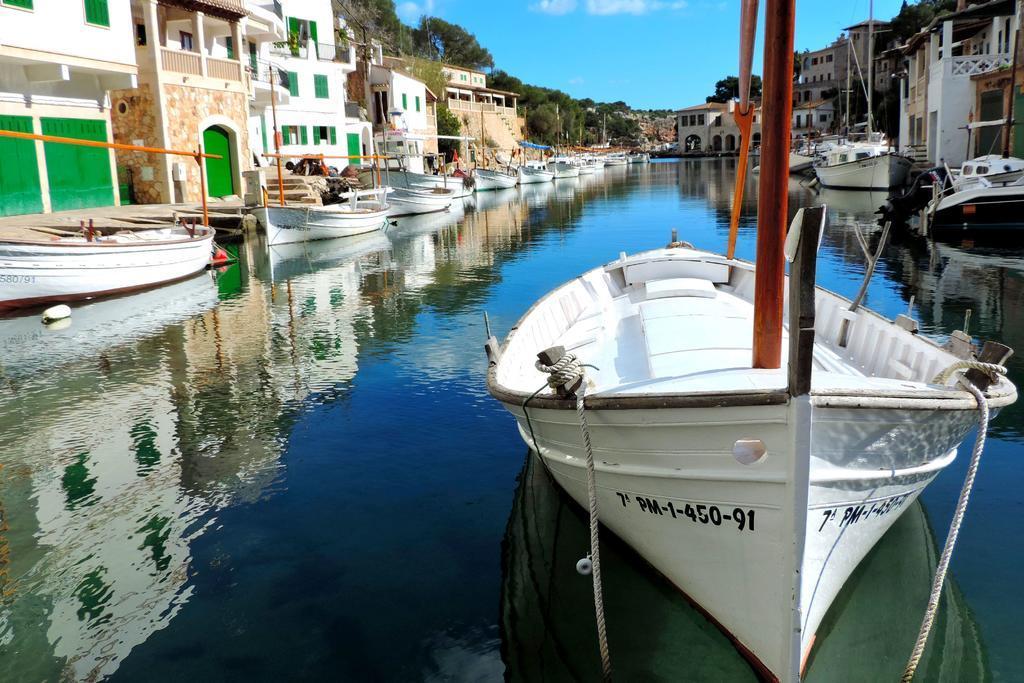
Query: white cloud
[554,6]
[410,12]
[609,7]
[578,80]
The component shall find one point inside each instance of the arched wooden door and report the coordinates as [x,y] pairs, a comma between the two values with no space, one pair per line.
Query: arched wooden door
[220,178]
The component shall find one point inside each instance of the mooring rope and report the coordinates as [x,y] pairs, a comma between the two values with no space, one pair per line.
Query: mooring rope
[566,371]
[993,371]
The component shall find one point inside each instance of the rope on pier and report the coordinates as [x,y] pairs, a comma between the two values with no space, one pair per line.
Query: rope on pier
[568,370]
[993,371]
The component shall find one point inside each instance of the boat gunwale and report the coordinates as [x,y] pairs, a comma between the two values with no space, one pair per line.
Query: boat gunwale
[912,399]
[195,239]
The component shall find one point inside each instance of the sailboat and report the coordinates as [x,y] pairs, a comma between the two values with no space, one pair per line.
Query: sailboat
[869,164]
[754,482]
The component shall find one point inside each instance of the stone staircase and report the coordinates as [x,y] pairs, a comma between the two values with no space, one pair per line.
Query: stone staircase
[298,190]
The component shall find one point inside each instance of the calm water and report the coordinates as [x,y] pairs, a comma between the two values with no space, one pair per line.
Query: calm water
[291,469]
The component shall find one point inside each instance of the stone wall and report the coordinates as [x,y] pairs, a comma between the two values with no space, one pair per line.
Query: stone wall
[499,130]
[187,109]
[134,121]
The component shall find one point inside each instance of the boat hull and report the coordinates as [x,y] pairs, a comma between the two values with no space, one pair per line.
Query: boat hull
[984,209]
[880,172]
[799,163]
[406,202]
[288,224]
[492,180]
[426,181]
[669,487]
[564,170]
[33,273]
[530,176]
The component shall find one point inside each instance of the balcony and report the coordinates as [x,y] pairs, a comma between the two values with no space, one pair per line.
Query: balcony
[489,107]
[975,65]
[192,64]
[264,85]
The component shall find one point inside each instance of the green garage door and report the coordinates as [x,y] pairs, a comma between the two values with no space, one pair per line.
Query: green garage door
[19,170]
[220,179]
[79,176]
[354,149]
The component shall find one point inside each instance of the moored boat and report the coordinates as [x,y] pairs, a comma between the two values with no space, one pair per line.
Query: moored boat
[487,180]
[529,175]
[71,268]
[693,446]
[363,211]
[615,160]
[403,201]
[638,158]
[564,169]
[863,166]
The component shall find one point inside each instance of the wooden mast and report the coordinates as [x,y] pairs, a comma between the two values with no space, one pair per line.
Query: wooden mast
[1019,12]
[773,199]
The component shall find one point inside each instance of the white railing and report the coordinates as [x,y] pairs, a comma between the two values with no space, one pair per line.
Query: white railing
[181,62]
[490,107]
[223,69]
[978,64]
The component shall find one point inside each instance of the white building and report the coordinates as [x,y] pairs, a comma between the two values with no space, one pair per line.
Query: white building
[58,60]
[813,118]
[401,101]
[937,93]
[315,59]
[711,128]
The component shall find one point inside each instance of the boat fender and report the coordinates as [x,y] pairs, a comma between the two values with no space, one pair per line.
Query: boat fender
[55,313]
[585,566]
[220,257]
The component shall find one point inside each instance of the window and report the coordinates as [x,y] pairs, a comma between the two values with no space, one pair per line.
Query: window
[96,12]
[700,119]
[229,43]
[304,32]
[822,118]
[24,4]
[320,86]
[333,135]
[463,76]
[254,57]
[417,103]
[814,61]
[303,135]
[140,34]
[293,83]
[828,58]
[405,102]
[321,135]
[186,40]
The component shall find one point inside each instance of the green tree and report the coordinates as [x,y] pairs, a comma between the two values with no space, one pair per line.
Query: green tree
[450,43]
[729,88]
[447,124]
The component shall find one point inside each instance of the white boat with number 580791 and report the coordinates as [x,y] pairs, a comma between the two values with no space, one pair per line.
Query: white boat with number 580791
[362,212]
[34,272]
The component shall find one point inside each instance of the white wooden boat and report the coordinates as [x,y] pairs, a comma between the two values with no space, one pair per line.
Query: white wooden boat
[487,180]
[800,162]
[462,187]
[698,456]
[638,158]
[362,212]
[863,166]
[34,272]
[564,169]
[586,167]
[529,175]
[403,201]
[616,160]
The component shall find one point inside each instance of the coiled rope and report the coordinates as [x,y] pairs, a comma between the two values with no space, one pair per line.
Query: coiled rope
[566,371]
[993,371]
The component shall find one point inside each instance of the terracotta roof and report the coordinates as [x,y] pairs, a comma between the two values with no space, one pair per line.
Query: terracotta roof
[226,9]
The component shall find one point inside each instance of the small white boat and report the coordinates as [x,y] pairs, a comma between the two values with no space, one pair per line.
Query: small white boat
[564,169]
[487,180]
[616,160]
[987,195]
[403,201]
[363,211]
[638,158]
[461,186]
[529,175]
[34,272]
[800,161]
[697,455]
[863,166]
[586,167]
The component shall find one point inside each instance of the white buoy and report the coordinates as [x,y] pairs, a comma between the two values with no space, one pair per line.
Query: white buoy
[55,313]
[585,566]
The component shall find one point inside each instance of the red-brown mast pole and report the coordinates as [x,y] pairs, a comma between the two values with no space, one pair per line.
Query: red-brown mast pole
[773,199]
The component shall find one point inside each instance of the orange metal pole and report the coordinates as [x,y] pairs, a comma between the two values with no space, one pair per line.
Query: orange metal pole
[773,200]
[105,145]
[202,184]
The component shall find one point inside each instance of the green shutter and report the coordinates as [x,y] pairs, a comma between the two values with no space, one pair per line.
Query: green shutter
[334,135]
[313,35]
[417,103]
[24,4]
[405,102]
[320,87]
[286,135]
[1018,123]
[263,132]
[354,149]
[316,135]
[96,12]
[79,176]
[253,58]
[230,43]
[303,135]
[293,83]
[20,191]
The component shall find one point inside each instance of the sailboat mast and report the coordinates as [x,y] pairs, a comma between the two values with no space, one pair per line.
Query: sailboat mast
[871,63]
[1019,11]
[773,198]
[849,46]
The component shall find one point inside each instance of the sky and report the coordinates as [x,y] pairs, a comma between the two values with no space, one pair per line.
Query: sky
[651,54]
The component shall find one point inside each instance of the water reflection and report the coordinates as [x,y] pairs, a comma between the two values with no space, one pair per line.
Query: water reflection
[232,473]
